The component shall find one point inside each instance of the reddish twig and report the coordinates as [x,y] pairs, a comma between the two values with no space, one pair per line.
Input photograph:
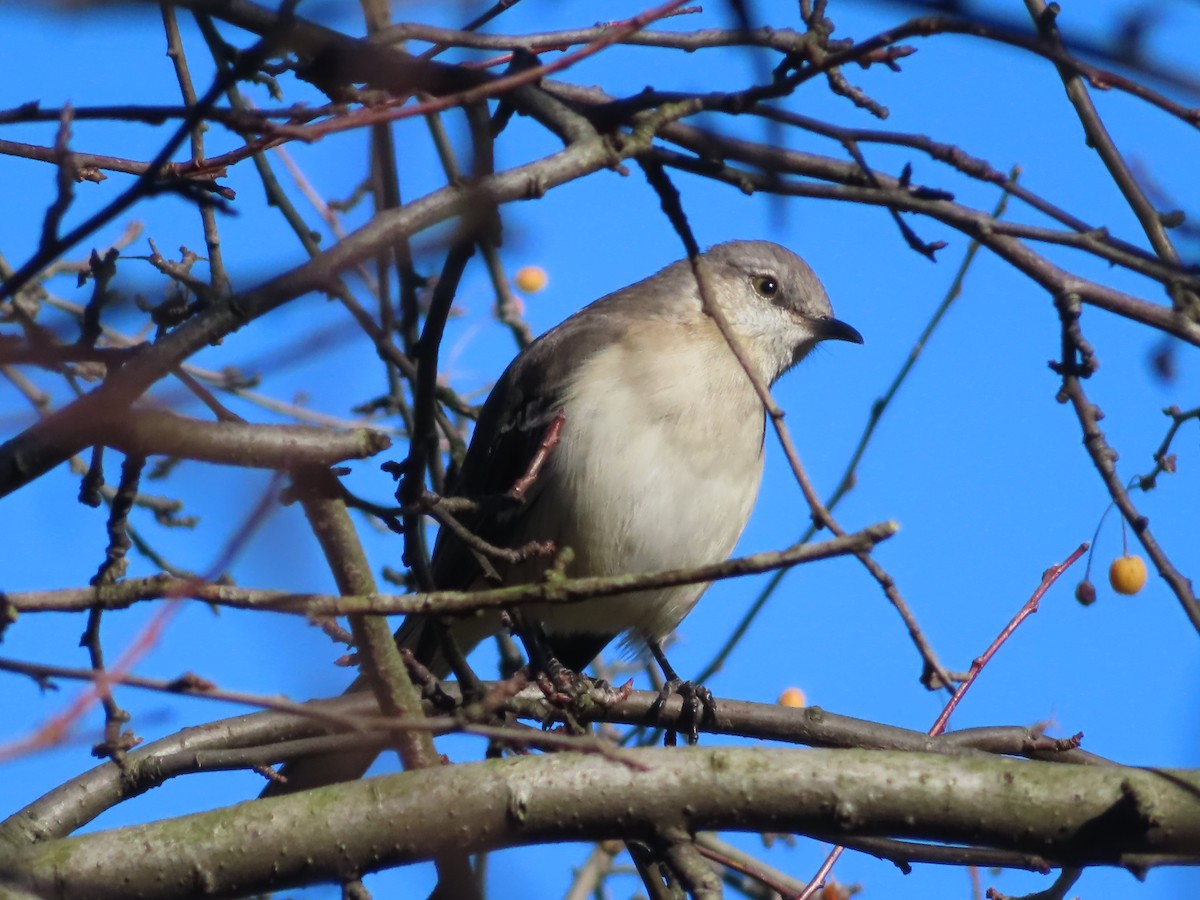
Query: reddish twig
[396,110]
[1050,576]
[549,442]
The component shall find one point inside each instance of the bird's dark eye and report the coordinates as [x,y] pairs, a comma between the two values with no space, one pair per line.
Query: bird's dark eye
[766,286]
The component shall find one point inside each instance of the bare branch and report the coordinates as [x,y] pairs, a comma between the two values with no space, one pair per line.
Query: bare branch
[726,788]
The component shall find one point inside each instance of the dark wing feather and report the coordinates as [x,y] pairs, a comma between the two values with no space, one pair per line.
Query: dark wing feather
[511,428]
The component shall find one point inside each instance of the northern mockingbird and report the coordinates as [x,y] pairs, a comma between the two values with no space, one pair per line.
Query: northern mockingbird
[659,453]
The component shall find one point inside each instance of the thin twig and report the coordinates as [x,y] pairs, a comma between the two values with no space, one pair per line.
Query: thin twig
[557,590]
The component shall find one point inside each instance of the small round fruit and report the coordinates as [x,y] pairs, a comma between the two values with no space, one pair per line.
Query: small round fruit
[1127,574]
[1085,593]
[531,279]
[792,696]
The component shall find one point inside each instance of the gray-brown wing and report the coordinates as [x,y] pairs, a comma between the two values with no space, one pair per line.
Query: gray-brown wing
[510,430]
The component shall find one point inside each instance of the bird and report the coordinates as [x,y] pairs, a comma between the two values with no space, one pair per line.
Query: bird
[657,460]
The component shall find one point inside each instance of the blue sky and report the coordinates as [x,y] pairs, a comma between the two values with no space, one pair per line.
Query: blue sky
[984,471]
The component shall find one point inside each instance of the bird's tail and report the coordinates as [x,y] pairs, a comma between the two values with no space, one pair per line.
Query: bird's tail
[320,769]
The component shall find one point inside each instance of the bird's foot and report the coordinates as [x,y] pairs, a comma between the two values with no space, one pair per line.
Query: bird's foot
[577,696]
[562,686]
[565,690]
[697,706]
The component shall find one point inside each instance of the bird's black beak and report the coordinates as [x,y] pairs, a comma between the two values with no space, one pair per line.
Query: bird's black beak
[831,329]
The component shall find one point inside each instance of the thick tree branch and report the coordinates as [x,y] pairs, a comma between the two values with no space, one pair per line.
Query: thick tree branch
[1067,815]
[266,738]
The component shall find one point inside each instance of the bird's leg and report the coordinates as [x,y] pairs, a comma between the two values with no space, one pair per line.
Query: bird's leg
[532,637]
[548,672]
[698,702]
[567,689]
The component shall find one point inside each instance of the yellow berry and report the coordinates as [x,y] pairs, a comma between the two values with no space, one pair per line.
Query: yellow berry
[1127,574]
[792,696]
[531,279]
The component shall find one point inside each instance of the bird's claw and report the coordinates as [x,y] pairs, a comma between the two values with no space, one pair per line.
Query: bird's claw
[697,707]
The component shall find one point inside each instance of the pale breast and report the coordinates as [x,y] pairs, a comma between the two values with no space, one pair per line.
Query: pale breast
[658,467]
